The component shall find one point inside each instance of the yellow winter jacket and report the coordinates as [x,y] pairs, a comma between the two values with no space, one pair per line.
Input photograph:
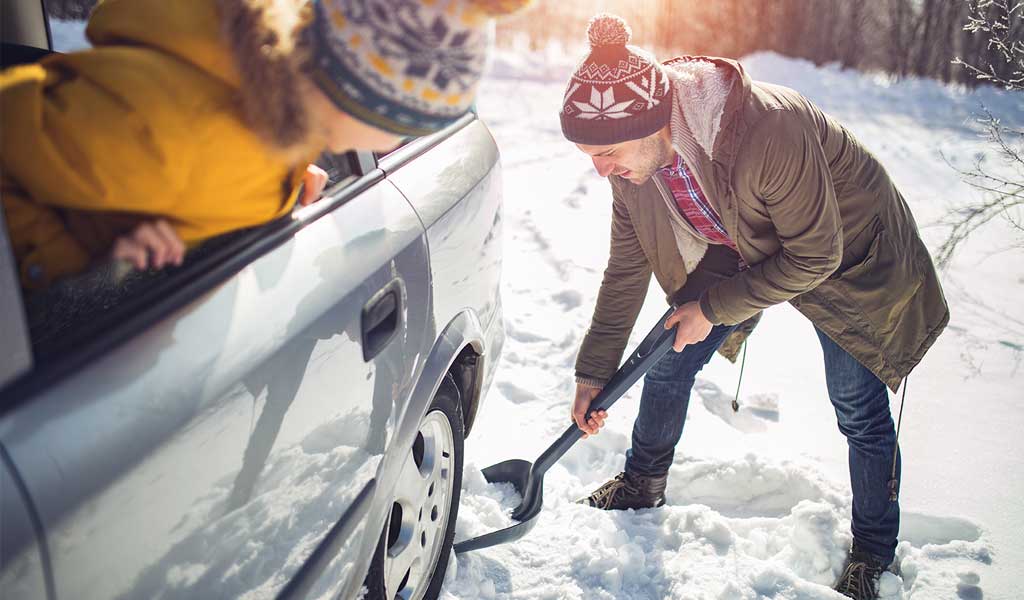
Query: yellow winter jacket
[146,123]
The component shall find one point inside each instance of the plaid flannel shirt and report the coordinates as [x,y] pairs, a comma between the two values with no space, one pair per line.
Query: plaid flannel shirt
[694,206]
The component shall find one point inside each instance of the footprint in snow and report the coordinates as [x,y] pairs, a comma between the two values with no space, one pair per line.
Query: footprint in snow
[754,415]
[575,199]
[967,588]
[921,529]
[569,299]
[514,393]
[521,335]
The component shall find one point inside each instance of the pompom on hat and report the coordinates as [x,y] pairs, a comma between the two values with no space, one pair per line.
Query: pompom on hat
[409,67]
[608,30]
[617,92]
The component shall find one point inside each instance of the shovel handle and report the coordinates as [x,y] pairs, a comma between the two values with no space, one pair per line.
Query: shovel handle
[653,347]
[656,345]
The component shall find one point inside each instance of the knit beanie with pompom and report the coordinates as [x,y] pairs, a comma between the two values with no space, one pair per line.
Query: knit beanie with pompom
[409,67]
[618,92]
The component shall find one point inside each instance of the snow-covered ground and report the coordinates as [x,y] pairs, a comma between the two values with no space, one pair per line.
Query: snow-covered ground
[759,502]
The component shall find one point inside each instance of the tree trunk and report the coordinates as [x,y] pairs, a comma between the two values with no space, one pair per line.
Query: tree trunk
[853,40]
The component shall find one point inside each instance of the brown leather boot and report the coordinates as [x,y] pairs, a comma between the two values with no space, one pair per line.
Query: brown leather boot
[629,491]
[861,575]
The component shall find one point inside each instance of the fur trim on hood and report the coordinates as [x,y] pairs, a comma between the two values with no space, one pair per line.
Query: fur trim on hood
[699,93]
[263,38]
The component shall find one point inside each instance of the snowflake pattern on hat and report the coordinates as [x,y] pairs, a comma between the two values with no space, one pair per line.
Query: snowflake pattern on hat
[602,106]
[407,66]
[427,46]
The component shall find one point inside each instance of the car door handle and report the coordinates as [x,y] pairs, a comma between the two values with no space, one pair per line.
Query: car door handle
[381,319]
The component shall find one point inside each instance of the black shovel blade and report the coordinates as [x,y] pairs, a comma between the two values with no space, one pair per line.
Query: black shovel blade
[516,472]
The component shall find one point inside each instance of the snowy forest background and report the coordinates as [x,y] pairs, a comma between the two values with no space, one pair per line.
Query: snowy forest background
[901,37]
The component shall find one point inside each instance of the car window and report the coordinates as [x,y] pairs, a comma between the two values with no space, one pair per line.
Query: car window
[67,312]
[342,168]
[63,314]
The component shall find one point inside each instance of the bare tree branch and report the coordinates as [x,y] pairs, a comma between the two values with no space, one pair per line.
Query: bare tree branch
[1002,192]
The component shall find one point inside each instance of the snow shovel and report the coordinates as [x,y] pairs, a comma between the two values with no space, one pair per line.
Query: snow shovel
[528,478]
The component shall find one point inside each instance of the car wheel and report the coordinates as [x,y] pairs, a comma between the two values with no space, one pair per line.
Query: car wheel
[412,555]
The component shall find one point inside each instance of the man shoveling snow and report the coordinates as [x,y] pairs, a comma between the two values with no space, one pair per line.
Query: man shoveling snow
[739,195]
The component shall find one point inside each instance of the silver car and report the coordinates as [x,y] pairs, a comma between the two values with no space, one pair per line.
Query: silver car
[282,416]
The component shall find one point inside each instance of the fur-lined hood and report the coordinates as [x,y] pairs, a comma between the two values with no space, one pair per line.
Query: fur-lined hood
[700,89]
[249,44]
[263,36]
[707,94]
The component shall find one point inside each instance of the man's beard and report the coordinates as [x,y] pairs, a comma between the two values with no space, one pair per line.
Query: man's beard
[654,153]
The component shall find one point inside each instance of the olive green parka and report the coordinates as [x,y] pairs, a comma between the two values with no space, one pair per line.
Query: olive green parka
[812,212]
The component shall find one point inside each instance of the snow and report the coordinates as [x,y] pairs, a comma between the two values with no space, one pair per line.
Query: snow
[68,35]
[758,502]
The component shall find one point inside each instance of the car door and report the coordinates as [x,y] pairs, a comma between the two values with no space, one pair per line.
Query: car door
[455,188]
[233,433]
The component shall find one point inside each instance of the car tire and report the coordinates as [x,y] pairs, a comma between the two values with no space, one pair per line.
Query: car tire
[422,519]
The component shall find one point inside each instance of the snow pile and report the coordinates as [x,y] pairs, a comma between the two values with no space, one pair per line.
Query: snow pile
[741,528]
[758,503]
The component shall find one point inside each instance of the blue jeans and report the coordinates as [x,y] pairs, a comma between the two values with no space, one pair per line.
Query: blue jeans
[861,403]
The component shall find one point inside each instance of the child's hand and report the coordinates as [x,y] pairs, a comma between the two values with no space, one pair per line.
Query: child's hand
[152,244]
[314,181]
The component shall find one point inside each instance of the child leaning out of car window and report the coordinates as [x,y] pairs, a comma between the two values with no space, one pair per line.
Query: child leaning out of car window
[192,118]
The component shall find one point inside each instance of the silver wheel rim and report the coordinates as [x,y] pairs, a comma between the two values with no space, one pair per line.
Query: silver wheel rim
[419,515]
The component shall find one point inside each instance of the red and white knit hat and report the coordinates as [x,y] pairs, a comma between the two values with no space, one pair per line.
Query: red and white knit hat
[617,92]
